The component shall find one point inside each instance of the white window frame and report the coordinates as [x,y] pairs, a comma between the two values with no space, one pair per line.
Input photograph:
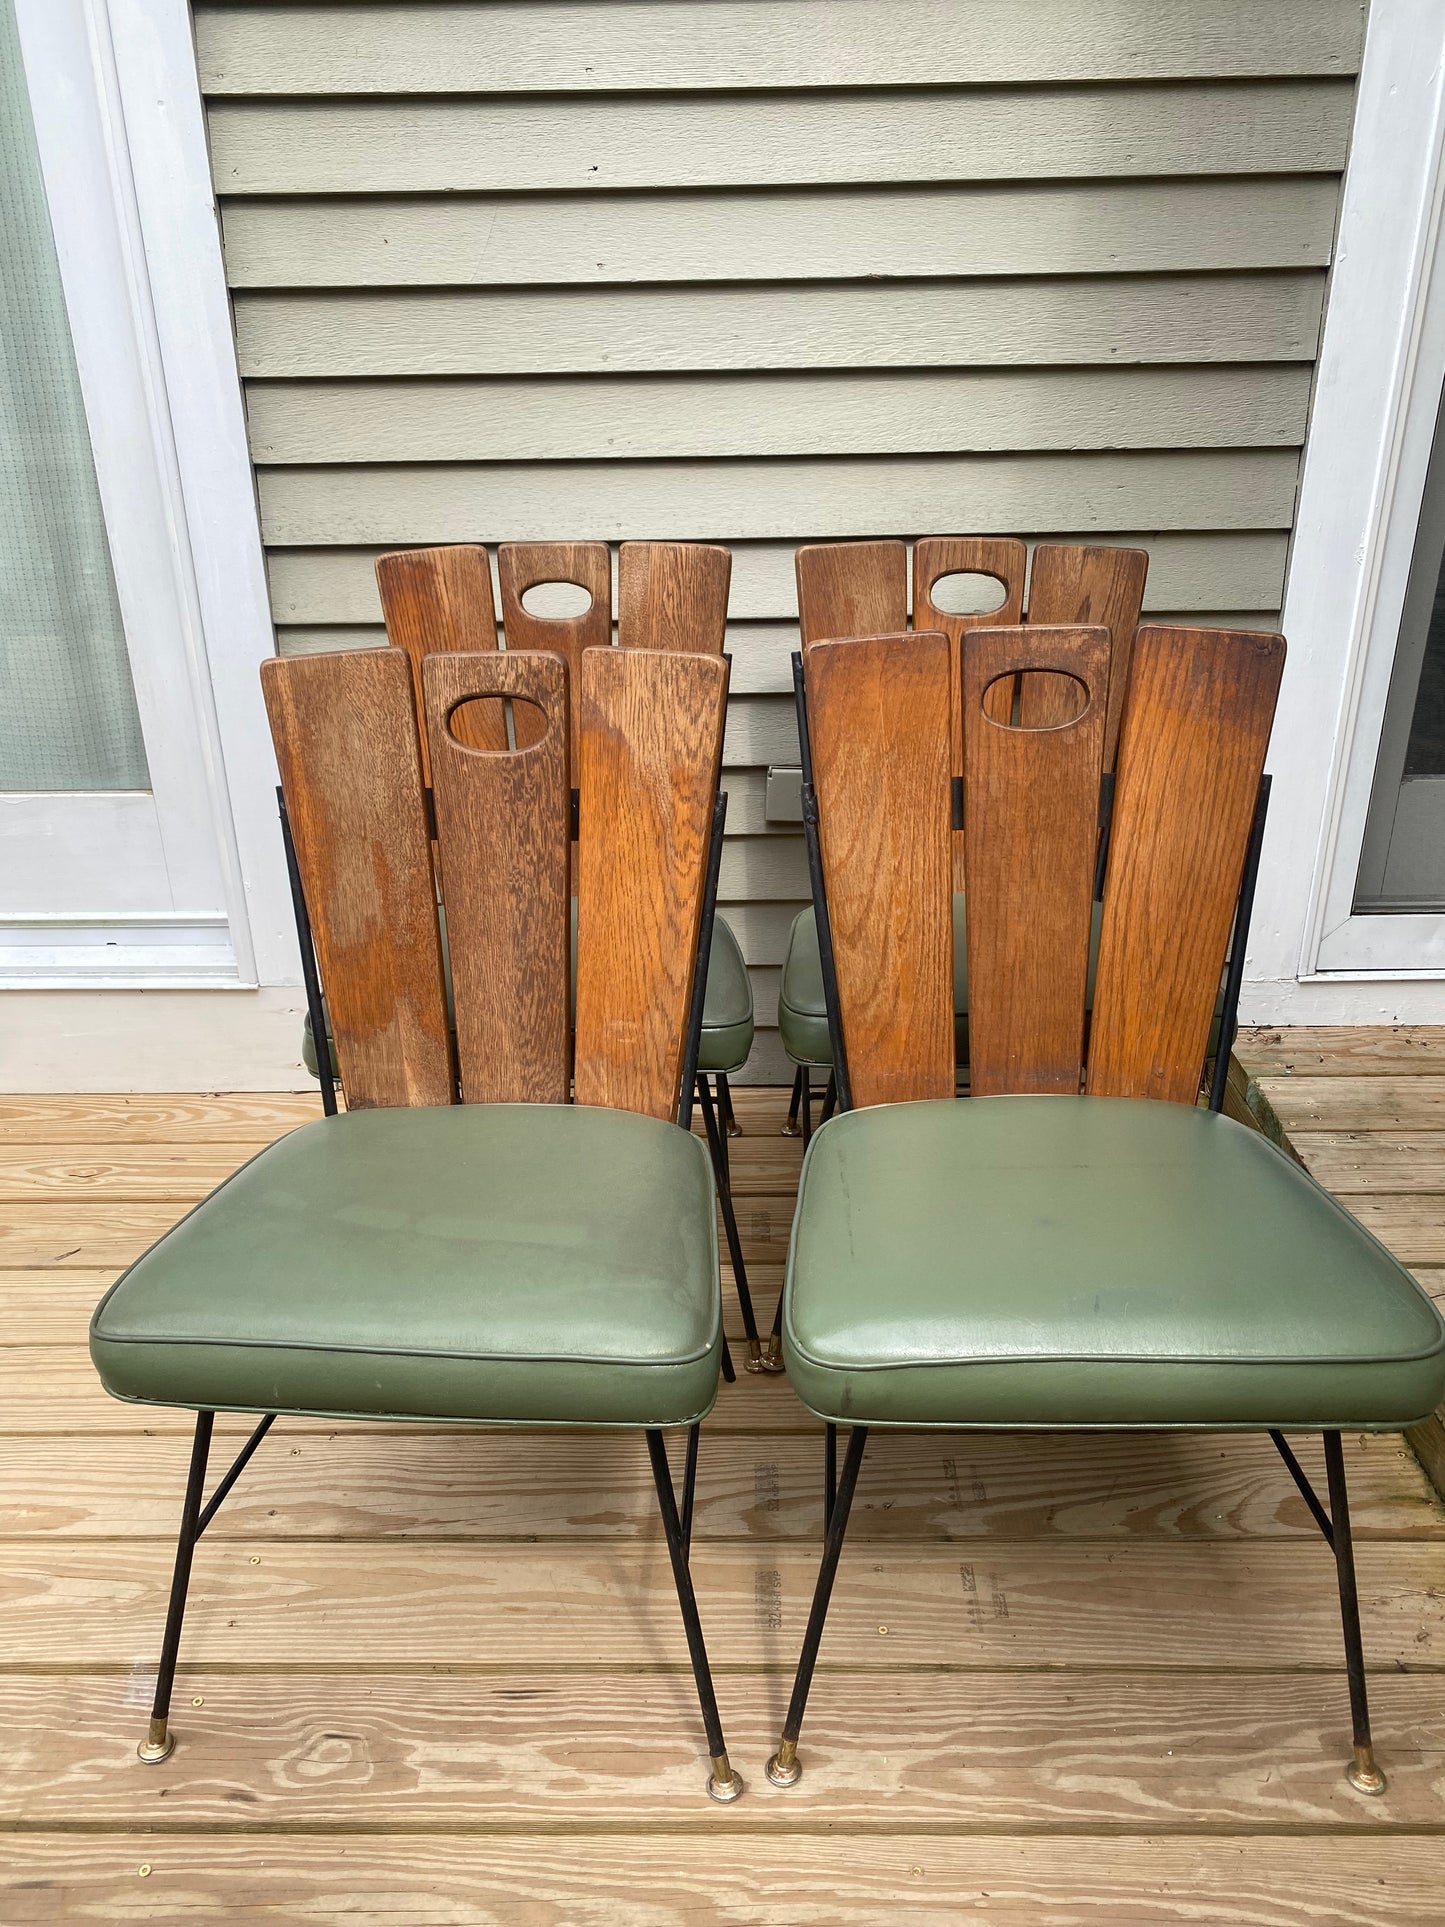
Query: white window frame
[150,316]
[1377,388]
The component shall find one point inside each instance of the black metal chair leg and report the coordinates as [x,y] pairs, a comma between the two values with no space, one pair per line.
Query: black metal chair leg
[830,1474]
[160,1742]
[689,1485]
[792,1127]
[716,1145]
[783,1768]
[807,1104]
[830,1099]
[725,1105]
[1362,1773]
[724,1783]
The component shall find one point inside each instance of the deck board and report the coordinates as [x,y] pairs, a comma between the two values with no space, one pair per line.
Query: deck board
[442,1679]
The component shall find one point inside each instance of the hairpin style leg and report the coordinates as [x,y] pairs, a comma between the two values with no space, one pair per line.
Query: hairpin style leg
[717,1146]
[725,1784]
[784,1768]
[1362,1772]
[160,1742]
[725,1105]
[792,1127]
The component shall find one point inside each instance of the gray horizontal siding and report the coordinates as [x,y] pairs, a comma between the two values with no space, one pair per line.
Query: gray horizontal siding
[760,273]
[704,44]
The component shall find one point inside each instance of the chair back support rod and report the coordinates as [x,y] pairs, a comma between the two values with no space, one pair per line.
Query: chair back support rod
[315,1008]
[1238,945]
[837,1044]
[688,1081]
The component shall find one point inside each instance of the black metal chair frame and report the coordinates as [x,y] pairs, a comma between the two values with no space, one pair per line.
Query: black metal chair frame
[725,1783]
[784,1768]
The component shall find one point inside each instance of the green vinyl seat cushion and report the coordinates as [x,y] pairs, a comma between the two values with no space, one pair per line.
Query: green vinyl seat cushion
[803,1008]
[727,1013]
[1091,1261]
[537,1263]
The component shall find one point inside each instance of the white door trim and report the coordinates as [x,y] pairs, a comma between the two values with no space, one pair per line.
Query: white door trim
[115,96]
[1363,476]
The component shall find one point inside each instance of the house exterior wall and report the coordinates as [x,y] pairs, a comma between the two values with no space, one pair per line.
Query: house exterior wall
[755,273]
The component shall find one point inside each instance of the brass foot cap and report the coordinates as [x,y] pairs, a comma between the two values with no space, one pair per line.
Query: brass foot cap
[724,1783]
[772,1362]
[153,1750]
[1362,1773]
[791,1129]
[734,1129]
[783,1773]
[754,1362]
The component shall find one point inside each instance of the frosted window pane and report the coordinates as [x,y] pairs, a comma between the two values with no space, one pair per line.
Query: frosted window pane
[68,718]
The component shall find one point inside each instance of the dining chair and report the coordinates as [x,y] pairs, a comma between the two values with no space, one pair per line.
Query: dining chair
[1079,1243]
[671,596]
[861,588]
[462,1243]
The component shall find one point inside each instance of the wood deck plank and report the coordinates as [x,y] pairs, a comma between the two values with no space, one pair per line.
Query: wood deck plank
[1030,1750]
[714,1881]
[350,1484]
[1252,1604]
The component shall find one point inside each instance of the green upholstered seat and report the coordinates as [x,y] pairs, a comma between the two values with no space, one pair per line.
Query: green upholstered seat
[1090,1261]
[727,1015]
[803,1010]
[540,1263]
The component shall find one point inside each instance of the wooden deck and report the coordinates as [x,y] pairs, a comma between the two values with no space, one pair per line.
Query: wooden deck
[433,1676]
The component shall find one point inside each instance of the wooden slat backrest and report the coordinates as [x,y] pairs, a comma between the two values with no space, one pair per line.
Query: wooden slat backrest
[1076,582]
[673,595]
[651,749]
[1005,559]
[1031,822]
[441,599]
[851,589]
[1191,752]
[522,566]
[502,821]
[879,726]
[344,726]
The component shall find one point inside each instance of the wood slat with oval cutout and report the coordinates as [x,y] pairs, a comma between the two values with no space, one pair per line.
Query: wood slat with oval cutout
[1003,558]
[526,565]
[1078,582]
[851,589]
[346,738]
[673,595]
[1031,816]
[879,716]
[502,842]
[1191,752]
[651,731]
[441,599]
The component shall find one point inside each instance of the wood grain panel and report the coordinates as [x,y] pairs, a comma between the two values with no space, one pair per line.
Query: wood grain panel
[1005,559]
[441,599]
[1264,316]
[998,494]
[524,565]
[1084,583]
[1031,829]
[967,228]
[413,49]
[1201,703]
[879,714]
[673,595]
[851,589]
[1391,1103]
[691,140]
[345,732]
[1340,1050]
[503,831]
[651,749]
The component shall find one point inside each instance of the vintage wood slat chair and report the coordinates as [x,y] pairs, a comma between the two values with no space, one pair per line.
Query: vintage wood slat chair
[860,589]
[1078,1243]
[462,1243]
[671,596]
